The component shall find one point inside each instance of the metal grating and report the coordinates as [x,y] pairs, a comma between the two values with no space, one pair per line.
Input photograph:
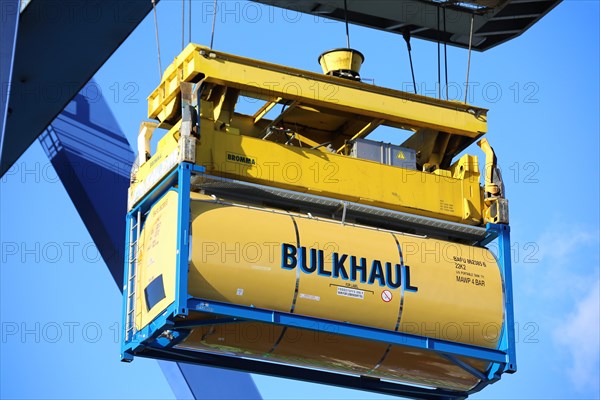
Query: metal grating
[335,208]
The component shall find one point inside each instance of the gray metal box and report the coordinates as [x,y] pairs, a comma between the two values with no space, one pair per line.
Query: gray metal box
[384,153]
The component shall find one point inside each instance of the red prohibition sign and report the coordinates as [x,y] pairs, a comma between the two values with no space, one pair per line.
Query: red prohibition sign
[386,296]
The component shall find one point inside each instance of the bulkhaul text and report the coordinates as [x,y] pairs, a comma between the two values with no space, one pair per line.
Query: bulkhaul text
[346,267]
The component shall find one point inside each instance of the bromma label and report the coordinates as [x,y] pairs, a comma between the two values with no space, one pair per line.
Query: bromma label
[241,159]
[347,267]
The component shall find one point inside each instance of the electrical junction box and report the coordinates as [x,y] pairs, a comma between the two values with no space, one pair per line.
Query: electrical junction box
[384,153]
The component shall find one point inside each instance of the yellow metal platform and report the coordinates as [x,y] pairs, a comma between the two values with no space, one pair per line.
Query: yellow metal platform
[321,117]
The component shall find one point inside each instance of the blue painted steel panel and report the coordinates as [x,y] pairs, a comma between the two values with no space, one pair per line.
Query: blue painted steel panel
[93,159]
[183,227]
[215,381]
[172,371]
[88,32]
[9,10]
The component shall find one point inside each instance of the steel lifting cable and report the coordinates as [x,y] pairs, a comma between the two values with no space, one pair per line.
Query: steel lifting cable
[346,20]
[212,33]
[439,55]
[157,41]
[469,59]
[406,36]
[190,21]
[445,54]
[182,24]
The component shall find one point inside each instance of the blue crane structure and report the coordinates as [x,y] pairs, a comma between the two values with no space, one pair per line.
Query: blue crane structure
[84,138]
[93,160]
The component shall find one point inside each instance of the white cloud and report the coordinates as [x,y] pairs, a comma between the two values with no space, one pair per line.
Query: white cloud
[580,337]
[560,244]
[566,253]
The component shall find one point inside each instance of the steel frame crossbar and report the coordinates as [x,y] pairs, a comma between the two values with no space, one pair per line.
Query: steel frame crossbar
[150,341]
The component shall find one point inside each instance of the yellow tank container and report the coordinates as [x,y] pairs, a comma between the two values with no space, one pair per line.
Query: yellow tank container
[321,268]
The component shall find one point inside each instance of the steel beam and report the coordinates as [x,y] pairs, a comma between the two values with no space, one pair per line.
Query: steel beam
[42,83]
[317,90]
[93,160]
[425,18]
[9,10]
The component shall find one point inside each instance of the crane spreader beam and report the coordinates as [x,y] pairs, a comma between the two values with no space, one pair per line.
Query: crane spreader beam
[267,80]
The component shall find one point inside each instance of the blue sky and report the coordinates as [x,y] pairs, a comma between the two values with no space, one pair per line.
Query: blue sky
[542,90]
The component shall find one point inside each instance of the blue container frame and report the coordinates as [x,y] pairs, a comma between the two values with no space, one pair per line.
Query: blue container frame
[157,339]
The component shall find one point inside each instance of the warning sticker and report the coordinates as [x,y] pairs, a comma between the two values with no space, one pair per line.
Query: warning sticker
[310,297]
[386,296]
[349,292]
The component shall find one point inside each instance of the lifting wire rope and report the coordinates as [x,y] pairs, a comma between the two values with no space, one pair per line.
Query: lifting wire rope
[469,59]
[406,36]
[439,69]
[157,41]
[183,23]
[445,55]
[212,33]
[346,21]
